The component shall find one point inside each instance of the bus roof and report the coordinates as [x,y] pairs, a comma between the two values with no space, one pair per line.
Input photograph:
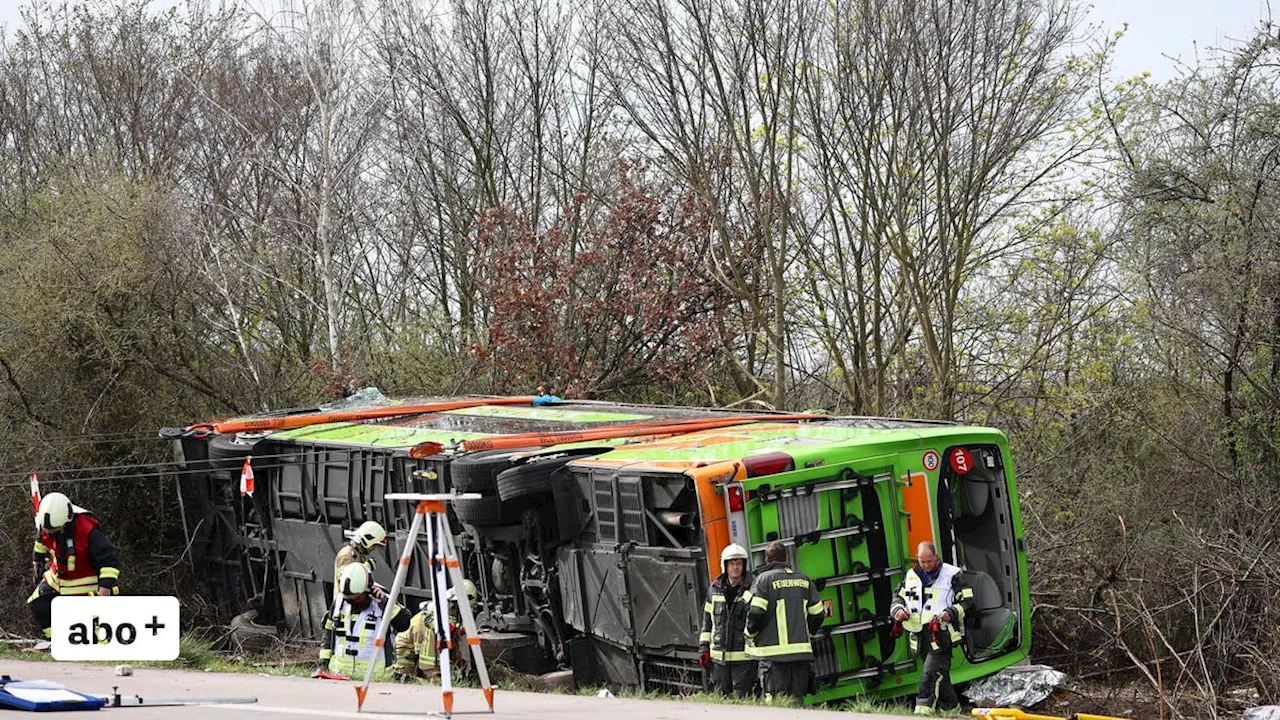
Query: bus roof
[803,441]
[490,420]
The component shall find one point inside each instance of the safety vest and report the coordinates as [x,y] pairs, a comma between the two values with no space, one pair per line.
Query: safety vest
[924,603]
[71,571]
[724,623]
[791,601]
[354,643]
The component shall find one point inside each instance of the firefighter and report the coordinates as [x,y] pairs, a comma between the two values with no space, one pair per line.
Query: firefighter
[416,650]
[368,536]
[785,611]
[722,644]
[349,643]
[931,604]
[84,562]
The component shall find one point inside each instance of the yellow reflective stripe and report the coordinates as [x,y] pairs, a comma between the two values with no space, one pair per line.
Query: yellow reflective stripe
[818,608]
[775,650]
[109,572]
[960,613]
[356,668]
[759,602]
[86,590]
[707,607]
[964,594]
[704,637]
[730,655]
[780,617]
[80,582]
[746,596]
[40,548]
[326,653]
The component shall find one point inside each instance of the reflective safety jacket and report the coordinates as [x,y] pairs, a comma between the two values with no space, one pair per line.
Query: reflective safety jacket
[785,612]
[724,619]
[83,559]
[347,554]
[948,591]
[349,644]
[416,647]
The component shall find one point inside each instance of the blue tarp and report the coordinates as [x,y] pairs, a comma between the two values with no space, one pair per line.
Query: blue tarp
[44,696]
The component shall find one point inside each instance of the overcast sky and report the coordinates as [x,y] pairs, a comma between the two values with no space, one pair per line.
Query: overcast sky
[1157,28]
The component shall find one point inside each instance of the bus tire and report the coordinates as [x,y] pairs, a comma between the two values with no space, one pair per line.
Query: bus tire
[227,452]
[485,512]
[250,637]
[478,472]
[532,478]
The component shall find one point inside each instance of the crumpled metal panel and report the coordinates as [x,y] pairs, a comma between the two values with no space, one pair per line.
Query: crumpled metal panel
[306,575]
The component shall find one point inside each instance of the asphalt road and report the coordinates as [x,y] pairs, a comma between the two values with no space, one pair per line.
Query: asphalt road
[304,698]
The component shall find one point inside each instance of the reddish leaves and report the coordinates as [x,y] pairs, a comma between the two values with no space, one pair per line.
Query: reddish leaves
[600,309]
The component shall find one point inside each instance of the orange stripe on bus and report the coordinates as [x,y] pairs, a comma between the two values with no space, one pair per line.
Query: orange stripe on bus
[918,504]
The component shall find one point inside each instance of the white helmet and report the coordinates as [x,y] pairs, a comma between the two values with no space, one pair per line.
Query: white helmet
[55,511]
[369,534]
[733,552]
[452,595]
[355,580]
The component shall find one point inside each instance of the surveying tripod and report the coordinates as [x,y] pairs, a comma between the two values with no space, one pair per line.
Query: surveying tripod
[444,565]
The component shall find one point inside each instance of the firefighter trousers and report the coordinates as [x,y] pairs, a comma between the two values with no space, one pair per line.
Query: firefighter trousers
[936,692]
[41,604]
[788,678]
[735,678]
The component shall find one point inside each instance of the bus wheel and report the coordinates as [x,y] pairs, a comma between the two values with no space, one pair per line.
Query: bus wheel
[532,478]
[478,472]
[485,512]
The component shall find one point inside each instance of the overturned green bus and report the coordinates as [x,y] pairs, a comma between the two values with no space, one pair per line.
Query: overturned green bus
[596,555]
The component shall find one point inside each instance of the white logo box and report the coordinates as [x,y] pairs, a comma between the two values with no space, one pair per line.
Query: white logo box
[127,628]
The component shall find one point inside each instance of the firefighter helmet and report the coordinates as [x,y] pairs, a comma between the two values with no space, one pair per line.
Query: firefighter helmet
[355,580]
[369,534]
[452,595]
[55,511]
[733,552]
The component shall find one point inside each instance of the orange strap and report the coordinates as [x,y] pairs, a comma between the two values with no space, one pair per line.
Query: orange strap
[507,442]
[290,422]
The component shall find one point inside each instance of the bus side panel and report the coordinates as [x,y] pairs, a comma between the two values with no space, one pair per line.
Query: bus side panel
[708,482]
[917,506]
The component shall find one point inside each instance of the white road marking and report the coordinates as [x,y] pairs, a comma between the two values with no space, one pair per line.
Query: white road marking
[326,713]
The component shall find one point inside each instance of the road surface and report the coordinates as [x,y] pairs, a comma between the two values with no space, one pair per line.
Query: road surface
[283,697]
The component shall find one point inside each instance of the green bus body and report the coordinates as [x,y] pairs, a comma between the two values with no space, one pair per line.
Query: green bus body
[606,569]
